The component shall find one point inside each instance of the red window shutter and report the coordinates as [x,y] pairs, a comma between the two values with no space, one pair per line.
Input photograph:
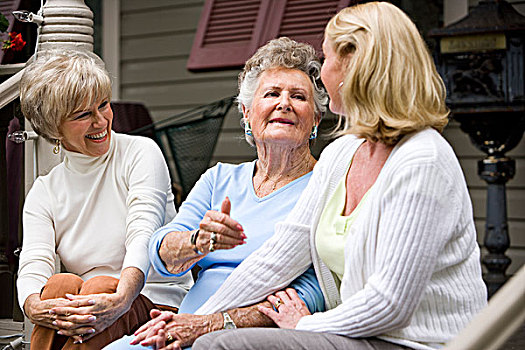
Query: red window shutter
[305,20]
[230,31]
[6,8]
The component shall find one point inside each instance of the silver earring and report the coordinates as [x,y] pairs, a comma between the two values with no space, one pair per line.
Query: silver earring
[313,134]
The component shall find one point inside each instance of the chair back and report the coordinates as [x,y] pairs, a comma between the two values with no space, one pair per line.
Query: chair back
[130,116]
[190,138]
[187,141]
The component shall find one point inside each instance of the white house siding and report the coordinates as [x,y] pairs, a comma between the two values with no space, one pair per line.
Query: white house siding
[156,39]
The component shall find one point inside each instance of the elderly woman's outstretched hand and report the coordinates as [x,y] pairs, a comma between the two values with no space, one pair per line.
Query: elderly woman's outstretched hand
[290,308]
[217,230]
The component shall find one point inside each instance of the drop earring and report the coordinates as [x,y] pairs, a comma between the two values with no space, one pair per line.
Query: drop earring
[56,149]
[248,129]
[313,134]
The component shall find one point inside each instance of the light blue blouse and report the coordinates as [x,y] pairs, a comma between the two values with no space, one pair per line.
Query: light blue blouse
[256,215]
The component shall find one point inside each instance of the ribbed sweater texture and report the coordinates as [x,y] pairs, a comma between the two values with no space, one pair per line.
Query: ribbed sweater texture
[412,263]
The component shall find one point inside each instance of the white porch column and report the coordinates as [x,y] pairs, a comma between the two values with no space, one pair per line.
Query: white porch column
[68,24]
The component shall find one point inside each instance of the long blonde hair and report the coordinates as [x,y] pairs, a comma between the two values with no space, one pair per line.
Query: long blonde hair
[391,86]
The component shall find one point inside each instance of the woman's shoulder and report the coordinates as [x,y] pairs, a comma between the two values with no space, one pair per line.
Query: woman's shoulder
[228,170]
[135,142]
[427,145]
[339,150]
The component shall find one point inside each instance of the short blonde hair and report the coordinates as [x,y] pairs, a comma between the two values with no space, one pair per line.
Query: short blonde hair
[59,83]
[391,86]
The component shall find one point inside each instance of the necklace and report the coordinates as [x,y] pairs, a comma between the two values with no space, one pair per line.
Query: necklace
[262,189]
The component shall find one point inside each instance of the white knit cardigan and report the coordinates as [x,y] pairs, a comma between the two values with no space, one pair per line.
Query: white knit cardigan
[412,264]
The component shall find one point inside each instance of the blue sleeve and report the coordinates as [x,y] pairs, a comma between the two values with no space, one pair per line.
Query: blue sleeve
[309,291]
[188,218]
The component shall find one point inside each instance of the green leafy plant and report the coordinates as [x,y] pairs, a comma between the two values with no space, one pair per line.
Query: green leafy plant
[14,41]
[4,23]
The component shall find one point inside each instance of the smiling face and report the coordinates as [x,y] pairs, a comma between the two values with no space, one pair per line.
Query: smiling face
[282,111]
[88,131]
[332,75]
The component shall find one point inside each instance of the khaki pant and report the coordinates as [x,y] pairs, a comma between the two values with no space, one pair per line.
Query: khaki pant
[57,286]
[286,339]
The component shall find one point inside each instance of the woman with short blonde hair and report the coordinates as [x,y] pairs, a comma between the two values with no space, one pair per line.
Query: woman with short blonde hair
[96,211]
[386,219]
[49,95]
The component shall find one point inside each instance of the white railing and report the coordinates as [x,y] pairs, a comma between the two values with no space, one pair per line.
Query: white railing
[504,314]
[63,24]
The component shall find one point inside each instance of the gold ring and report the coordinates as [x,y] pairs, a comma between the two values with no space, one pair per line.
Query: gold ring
[169,337]
[278,303]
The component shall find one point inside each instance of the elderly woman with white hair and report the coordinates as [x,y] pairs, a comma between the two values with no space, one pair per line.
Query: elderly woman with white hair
[386,218]
[232,209]
[95,211]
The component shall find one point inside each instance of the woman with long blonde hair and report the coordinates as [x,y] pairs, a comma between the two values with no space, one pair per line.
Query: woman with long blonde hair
[386,219]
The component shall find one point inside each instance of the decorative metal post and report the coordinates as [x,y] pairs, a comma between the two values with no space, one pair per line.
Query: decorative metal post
[481,60]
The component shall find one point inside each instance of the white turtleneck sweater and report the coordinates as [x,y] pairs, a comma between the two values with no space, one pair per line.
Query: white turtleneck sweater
[412,272]
[97,214]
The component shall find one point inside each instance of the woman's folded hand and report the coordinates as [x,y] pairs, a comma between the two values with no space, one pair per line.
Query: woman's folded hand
[158,321]
[87,315]
[290,308]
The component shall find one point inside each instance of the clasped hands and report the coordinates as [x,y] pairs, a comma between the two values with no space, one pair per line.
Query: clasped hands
[169,331]
[78,316]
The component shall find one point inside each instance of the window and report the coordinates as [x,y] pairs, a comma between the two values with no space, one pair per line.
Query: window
[230,31]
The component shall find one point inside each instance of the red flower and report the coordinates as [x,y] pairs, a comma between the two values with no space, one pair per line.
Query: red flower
[15,42]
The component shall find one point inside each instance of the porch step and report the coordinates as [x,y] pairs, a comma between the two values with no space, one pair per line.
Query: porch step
[9,327]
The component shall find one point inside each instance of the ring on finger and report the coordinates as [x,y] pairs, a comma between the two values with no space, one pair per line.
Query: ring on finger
[169,337]
[278,303]
[213,238]
[212,246]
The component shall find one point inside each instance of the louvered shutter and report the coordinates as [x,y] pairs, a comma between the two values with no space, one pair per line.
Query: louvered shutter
[6,8]
[305,20]
[230,31]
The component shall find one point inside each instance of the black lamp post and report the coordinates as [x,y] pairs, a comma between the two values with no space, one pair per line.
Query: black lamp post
[481,59]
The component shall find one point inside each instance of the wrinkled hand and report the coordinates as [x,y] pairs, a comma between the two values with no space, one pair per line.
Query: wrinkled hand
[184,328]
[229,233]
[290,310]
[101,311]
[151,328]
[40,312]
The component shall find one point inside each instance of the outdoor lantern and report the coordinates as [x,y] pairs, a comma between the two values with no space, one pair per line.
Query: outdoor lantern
[481,60]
